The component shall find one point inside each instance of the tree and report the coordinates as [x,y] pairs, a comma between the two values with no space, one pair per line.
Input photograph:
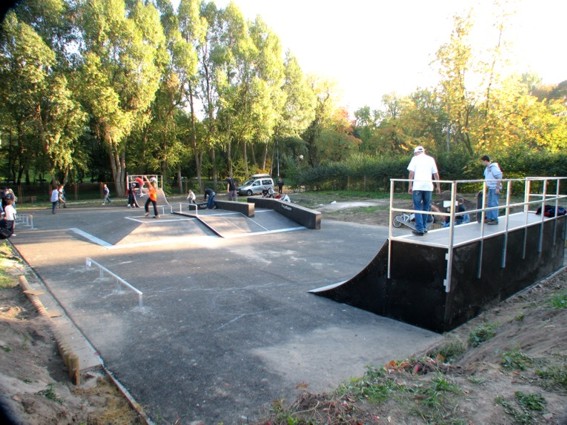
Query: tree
[193,32]
[454,59]
[40,114]
[122,65]
[324,108]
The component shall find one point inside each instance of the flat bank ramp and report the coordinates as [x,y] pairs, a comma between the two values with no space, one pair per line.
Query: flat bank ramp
[232,224]
[161,198]
[420,290]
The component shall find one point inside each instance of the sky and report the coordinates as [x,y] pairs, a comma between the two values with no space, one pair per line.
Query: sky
[370,48]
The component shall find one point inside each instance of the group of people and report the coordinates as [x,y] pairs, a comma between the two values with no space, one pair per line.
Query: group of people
[424,176]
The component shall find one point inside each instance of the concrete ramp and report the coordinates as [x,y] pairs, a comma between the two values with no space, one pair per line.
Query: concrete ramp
[483,271]
[161,198]
[232,224]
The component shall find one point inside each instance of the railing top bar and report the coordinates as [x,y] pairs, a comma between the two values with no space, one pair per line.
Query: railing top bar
[482,180]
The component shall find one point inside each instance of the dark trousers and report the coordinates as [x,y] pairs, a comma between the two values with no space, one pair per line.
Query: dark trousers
[147,206]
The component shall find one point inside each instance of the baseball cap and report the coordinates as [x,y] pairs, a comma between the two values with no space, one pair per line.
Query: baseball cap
[419,149]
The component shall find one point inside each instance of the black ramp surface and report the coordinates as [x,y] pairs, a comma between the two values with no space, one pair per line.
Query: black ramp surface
[230,224]
[416,291]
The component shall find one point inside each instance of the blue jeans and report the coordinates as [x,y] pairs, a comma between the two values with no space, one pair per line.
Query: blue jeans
[211,202]
[421,202]
[492,201]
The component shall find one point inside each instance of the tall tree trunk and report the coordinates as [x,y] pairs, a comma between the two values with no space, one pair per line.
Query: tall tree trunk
[198,158]
[245,157]
[118,167]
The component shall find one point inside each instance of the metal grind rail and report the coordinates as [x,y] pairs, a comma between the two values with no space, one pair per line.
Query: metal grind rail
[537,192]
[90,262]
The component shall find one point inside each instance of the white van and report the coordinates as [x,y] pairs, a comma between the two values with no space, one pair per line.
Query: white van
[256,185]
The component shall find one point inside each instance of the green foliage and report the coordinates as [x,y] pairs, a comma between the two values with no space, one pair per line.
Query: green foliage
[519,416]
[450,351]
[50,394]
[515,360]
[554,376]
[202,91]
[482,334]
[375,386]
[6,281]
[533,402]
[559,301]
[524,408]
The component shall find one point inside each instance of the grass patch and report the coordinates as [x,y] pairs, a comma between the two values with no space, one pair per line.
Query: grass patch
[375,386]
[482,334]
[515,360]
[559,301]
[449,352]
[50,394]
[7,280]
[524,408]
[554,376]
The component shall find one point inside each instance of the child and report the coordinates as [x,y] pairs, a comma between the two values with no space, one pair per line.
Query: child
[132,201]
[191,198]
[106,193]
[61,191]
[8,223]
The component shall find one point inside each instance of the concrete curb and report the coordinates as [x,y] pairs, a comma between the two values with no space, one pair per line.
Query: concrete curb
[70,358]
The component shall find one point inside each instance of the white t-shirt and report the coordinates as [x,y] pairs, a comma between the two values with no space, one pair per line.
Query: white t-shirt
[423,167]
[10,212]
[54,195]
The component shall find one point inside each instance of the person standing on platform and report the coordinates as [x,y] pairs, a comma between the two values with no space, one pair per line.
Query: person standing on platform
[231,189]
[280,185]
[493,180]
[152,196]
[421,169]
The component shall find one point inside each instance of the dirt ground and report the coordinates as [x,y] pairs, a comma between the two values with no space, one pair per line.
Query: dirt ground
[507,366]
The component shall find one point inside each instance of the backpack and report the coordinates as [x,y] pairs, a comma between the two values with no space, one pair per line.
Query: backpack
[549,211]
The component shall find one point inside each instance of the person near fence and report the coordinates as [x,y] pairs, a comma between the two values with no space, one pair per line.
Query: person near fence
[152,196]
[493,180]
[8,221]
[421,169]
[62,199]
[106,194]
[54,199]
[132,201]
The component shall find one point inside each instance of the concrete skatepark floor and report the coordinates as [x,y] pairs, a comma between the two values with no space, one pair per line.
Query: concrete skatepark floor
[226,325]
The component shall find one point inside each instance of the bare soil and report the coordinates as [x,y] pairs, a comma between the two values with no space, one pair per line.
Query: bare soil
[507,366]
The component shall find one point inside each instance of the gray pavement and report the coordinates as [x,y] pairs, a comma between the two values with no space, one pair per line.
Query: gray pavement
[226,325]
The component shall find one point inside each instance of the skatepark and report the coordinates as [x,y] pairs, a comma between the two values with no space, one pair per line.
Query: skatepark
[224,325]
[212,319]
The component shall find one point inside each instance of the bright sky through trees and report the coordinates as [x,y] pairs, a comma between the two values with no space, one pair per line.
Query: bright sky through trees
[376,47]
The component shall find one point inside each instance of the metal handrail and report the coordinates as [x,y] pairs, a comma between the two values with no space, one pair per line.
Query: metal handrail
[528,200]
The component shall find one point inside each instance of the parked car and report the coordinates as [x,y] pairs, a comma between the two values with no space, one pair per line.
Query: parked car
[256,185]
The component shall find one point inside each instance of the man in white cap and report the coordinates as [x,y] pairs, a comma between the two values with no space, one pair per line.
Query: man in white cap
[422,170]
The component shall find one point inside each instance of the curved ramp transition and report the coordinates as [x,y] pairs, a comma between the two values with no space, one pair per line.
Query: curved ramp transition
[484,271]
